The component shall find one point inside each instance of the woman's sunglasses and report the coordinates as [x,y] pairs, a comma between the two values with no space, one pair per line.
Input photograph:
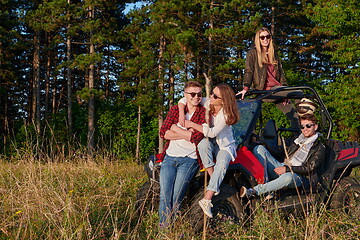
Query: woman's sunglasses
[263,37]
[193,94]
[307,125]
[215,96]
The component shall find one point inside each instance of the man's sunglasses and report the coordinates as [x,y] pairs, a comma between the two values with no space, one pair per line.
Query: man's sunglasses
[215,96]
[263,37]
[193,94]
[307,125]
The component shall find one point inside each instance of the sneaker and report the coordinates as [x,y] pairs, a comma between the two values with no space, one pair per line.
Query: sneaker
[242,191]
[246,192]
[269,196]
[206,207]
[250,193]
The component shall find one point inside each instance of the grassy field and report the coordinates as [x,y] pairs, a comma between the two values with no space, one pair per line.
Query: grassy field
[96,200]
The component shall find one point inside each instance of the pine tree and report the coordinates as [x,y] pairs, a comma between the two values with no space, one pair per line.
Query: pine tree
[337,25]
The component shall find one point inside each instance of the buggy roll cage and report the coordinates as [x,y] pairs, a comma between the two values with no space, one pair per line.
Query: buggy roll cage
[327,122]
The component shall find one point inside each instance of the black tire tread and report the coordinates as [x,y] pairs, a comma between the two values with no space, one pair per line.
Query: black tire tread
[338,196]
[227,194]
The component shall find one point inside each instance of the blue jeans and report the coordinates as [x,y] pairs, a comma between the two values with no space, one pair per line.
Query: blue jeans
[288,179]
[208,148]
[175,175]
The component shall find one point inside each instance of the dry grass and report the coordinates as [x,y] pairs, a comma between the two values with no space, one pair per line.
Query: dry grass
[95,200]
[82,200]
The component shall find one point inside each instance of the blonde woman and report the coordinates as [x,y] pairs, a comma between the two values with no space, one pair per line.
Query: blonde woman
[263,68]
[263,71]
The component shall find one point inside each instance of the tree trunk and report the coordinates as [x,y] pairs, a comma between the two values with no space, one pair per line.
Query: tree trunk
[273,20]
[47,87]
[36,83]
[91,107]
[171,82]
[53,98]
[47,81]
[107,76]
[4,131]
[211,25]
[137,152]
[6,128]
[161,90]
[69,84]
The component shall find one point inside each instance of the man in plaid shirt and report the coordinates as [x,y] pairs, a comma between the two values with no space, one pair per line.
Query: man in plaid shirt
[180,160]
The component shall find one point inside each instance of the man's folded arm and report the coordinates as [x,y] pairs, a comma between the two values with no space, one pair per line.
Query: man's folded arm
[176,133]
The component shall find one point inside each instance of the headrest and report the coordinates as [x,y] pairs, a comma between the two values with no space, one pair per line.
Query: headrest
[305,106]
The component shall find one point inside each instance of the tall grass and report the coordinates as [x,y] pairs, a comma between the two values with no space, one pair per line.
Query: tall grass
[67,200]
[81,199]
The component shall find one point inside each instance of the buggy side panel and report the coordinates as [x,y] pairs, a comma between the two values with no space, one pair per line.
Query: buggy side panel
[250,163]
[349,153]
[341,157]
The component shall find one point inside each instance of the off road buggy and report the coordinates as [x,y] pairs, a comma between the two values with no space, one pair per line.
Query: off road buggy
[336,188]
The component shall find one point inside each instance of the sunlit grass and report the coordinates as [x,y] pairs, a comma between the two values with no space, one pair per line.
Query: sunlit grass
[67,200]
[82,199]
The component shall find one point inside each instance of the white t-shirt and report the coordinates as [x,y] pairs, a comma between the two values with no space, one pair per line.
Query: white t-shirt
[181,147]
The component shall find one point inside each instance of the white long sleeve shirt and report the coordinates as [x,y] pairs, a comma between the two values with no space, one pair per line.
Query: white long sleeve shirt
[219,129]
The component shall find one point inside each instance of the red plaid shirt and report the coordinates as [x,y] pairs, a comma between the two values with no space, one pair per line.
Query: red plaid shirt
[173,118]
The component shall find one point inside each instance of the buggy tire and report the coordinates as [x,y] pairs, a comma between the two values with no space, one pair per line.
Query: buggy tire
[350,202]
[350,181]
[148,196]
[227,205]
[346,197]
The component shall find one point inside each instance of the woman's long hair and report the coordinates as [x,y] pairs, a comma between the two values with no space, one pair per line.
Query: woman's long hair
[229,104]
[261,54]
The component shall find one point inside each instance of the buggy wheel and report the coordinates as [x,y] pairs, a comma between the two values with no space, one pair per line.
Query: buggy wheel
[147,198]
[227,207]
[351,201]
[346,197]
[350,181]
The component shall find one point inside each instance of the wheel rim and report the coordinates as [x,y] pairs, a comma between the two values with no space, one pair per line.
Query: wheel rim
[224,208]
[224,213]
[352,203]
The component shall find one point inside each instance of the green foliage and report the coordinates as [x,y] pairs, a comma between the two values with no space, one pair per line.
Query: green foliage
[85,94]
[338,22]
[343,102]
[49,16]
[82,61]
[318,42]
[117,132]
[118,125]
[270,111]
[54,139]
